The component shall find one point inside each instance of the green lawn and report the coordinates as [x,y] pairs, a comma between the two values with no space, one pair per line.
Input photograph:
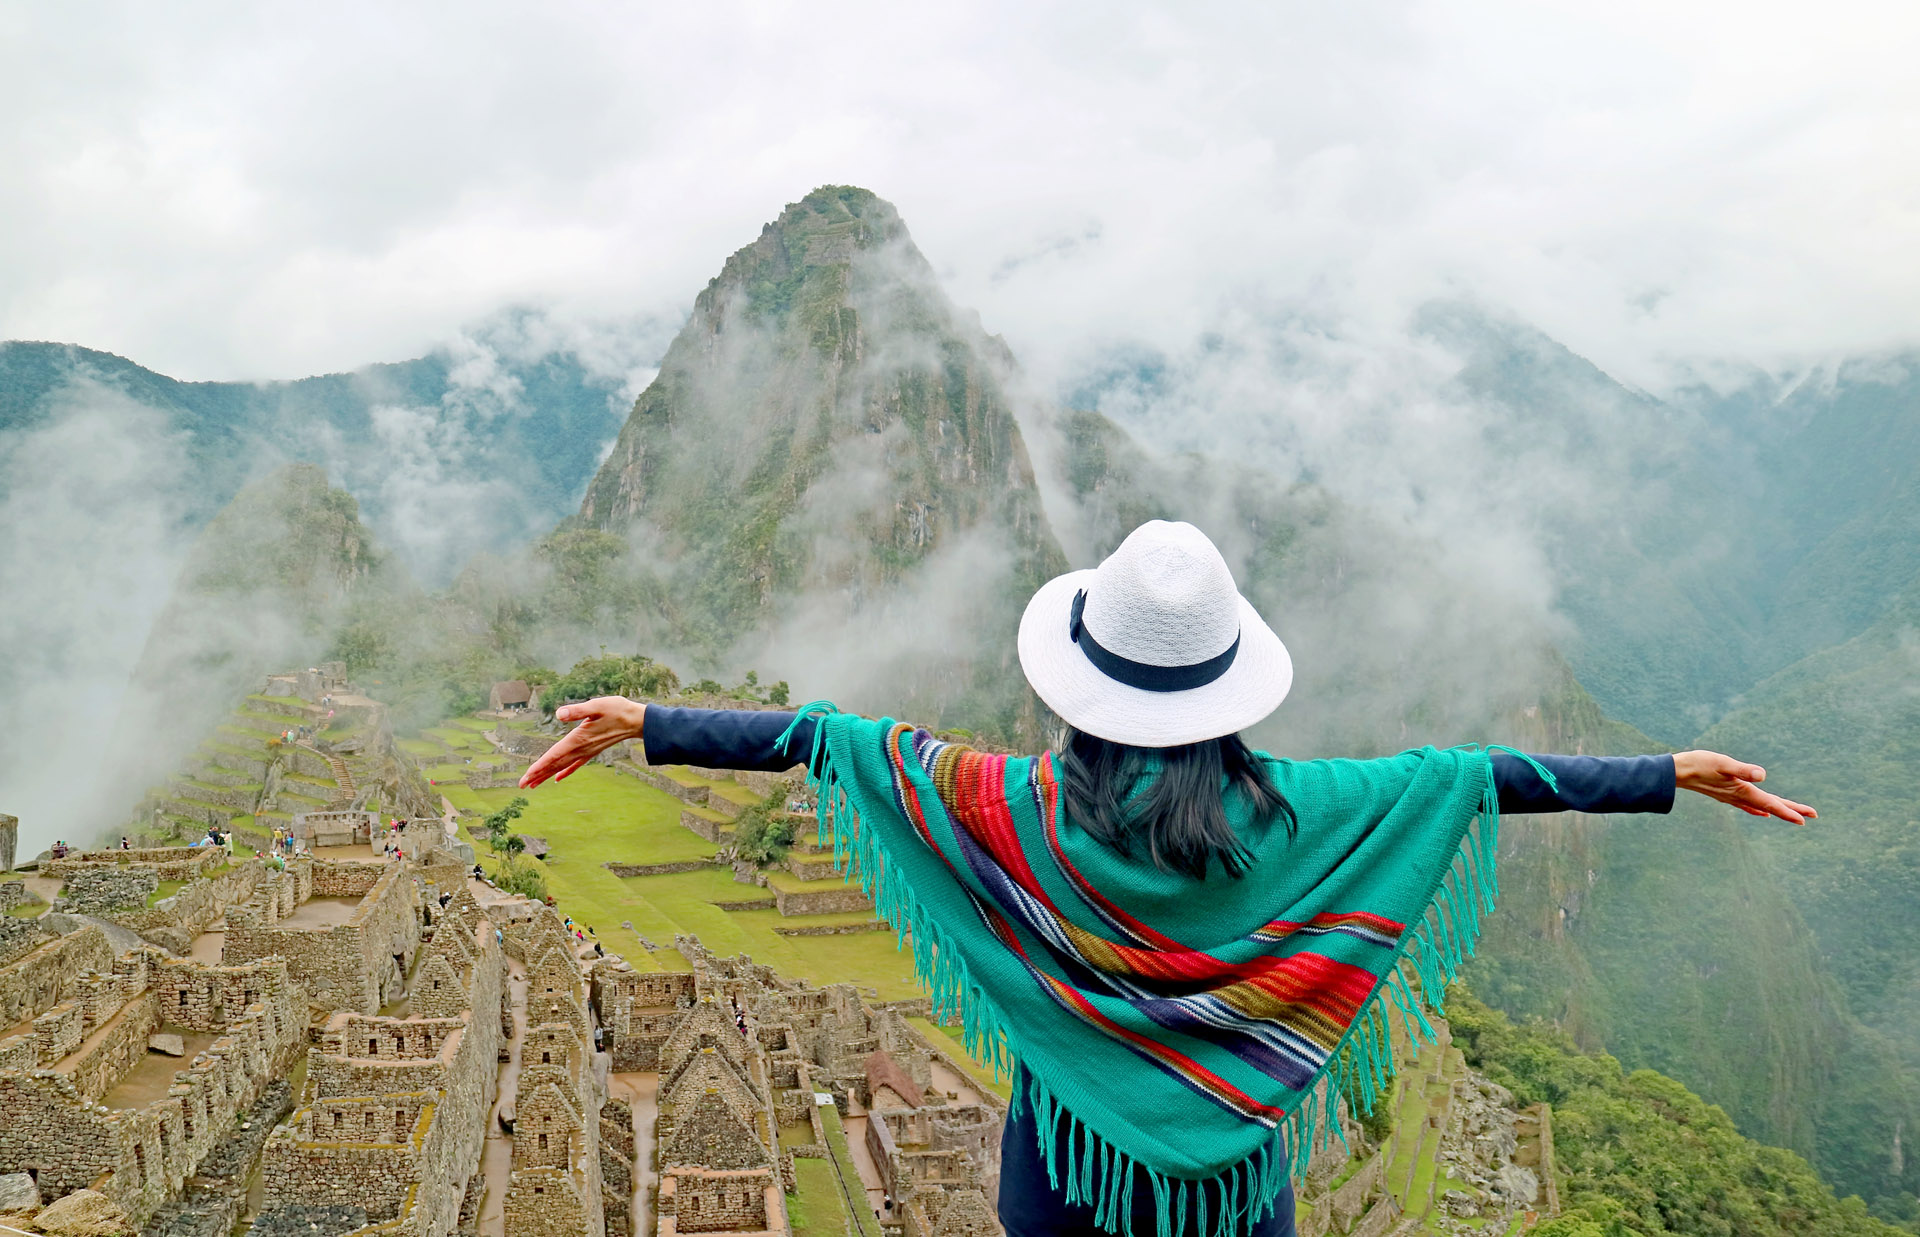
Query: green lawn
[166,889]
[597,816]
[467,742]
[817,1208]
[848,1175]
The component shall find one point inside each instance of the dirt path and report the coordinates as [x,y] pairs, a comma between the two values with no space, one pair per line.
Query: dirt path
[642,1091]
[496,1158]
[856,1127]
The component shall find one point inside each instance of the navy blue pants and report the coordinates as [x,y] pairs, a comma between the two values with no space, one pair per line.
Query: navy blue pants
[1030,1207]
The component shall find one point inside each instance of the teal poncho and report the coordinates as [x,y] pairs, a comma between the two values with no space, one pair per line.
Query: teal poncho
[1181,1025]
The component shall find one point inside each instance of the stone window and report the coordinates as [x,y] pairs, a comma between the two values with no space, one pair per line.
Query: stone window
[373,1047]
[546,1058]
[183,998]
[338,1117]
[543,1142]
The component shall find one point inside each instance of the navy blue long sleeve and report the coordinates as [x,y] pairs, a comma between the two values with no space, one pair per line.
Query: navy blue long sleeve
[747,739]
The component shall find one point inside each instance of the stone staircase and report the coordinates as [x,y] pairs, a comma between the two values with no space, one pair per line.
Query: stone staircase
[344,787]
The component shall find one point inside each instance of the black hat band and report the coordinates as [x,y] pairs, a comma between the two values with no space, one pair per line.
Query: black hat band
[1139,673]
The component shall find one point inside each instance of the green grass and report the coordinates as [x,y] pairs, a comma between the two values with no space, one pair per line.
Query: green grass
[597,816]
[817,1208]
[475,724]
[844,1167]
[165,889]
[27,912]
[460,739]
[422,748]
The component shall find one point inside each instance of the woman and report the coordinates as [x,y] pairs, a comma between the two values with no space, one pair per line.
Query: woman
[1173,940]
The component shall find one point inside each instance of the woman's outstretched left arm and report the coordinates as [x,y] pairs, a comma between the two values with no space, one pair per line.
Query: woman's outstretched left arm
[1600,784]
[1736,782]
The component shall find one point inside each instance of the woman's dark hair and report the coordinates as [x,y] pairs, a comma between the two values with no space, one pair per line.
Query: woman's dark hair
[1182,815]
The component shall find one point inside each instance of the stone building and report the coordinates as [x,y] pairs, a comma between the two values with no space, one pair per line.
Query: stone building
[348,930]
[396,1108]
[83,1105]
[555,1186]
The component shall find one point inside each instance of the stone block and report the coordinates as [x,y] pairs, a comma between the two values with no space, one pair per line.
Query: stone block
[84,1213]
[18,1192]
[171,1045]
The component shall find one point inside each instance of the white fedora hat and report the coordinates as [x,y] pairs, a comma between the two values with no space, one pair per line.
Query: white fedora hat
[1155,647]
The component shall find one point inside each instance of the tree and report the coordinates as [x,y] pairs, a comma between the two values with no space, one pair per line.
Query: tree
[498,826]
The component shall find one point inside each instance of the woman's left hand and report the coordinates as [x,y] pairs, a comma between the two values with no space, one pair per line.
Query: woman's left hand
[604,721]
[1735,781]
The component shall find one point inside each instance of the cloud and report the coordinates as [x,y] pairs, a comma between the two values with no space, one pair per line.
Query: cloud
[288,191]
[91,535]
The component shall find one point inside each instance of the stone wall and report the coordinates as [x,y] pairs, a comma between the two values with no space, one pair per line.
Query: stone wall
[98,891]
[345,880]
[347,965]
[334,828]
[198,904]
[821,901]
[18,937]
[35,983]
[111,1050]
[170,863]
[140,1158]
[369,1075]
[638,1009]
[545,1202]
[660,869]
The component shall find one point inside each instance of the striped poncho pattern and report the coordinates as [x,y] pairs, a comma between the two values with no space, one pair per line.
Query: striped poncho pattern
[1195,1029]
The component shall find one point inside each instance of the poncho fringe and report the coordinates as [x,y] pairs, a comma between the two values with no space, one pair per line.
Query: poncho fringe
[1087,1168]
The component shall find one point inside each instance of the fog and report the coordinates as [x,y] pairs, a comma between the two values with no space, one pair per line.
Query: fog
[272,193]
[91,535]
[1225,229]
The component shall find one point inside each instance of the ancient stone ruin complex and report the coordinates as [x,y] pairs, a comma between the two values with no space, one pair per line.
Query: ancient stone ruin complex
[352,1035]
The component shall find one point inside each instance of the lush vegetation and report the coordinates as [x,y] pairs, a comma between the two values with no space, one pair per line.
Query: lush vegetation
[1639,1155]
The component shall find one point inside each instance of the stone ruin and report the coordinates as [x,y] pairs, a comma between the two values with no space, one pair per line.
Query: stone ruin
[748,1061]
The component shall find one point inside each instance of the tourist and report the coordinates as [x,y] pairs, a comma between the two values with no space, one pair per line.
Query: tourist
[1120,910]
[125,842]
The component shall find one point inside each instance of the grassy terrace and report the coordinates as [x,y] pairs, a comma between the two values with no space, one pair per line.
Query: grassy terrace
[817,1208]
[597,816]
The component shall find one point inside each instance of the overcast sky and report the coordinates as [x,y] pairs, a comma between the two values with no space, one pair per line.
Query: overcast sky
[224,191]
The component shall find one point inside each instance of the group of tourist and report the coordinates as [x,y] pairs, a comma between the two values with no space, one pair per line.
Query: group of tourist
[284,846]
[216,836]
[581,934]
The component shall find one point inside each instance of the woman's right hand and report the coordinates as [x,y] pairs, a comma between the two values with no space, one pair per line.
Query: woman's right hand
[1736,782]
[604,721]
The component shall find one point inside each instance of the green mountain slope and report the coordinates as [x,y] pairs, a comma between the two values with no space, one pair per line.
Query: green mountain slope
[1640,1155]
[1842,729]
[830,446]
[1667,940]
[268,584]
[497,443]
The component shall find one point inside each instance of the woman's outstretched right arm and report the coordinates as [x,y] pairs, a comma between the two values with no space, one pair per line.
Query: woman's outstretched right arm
[704,738]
